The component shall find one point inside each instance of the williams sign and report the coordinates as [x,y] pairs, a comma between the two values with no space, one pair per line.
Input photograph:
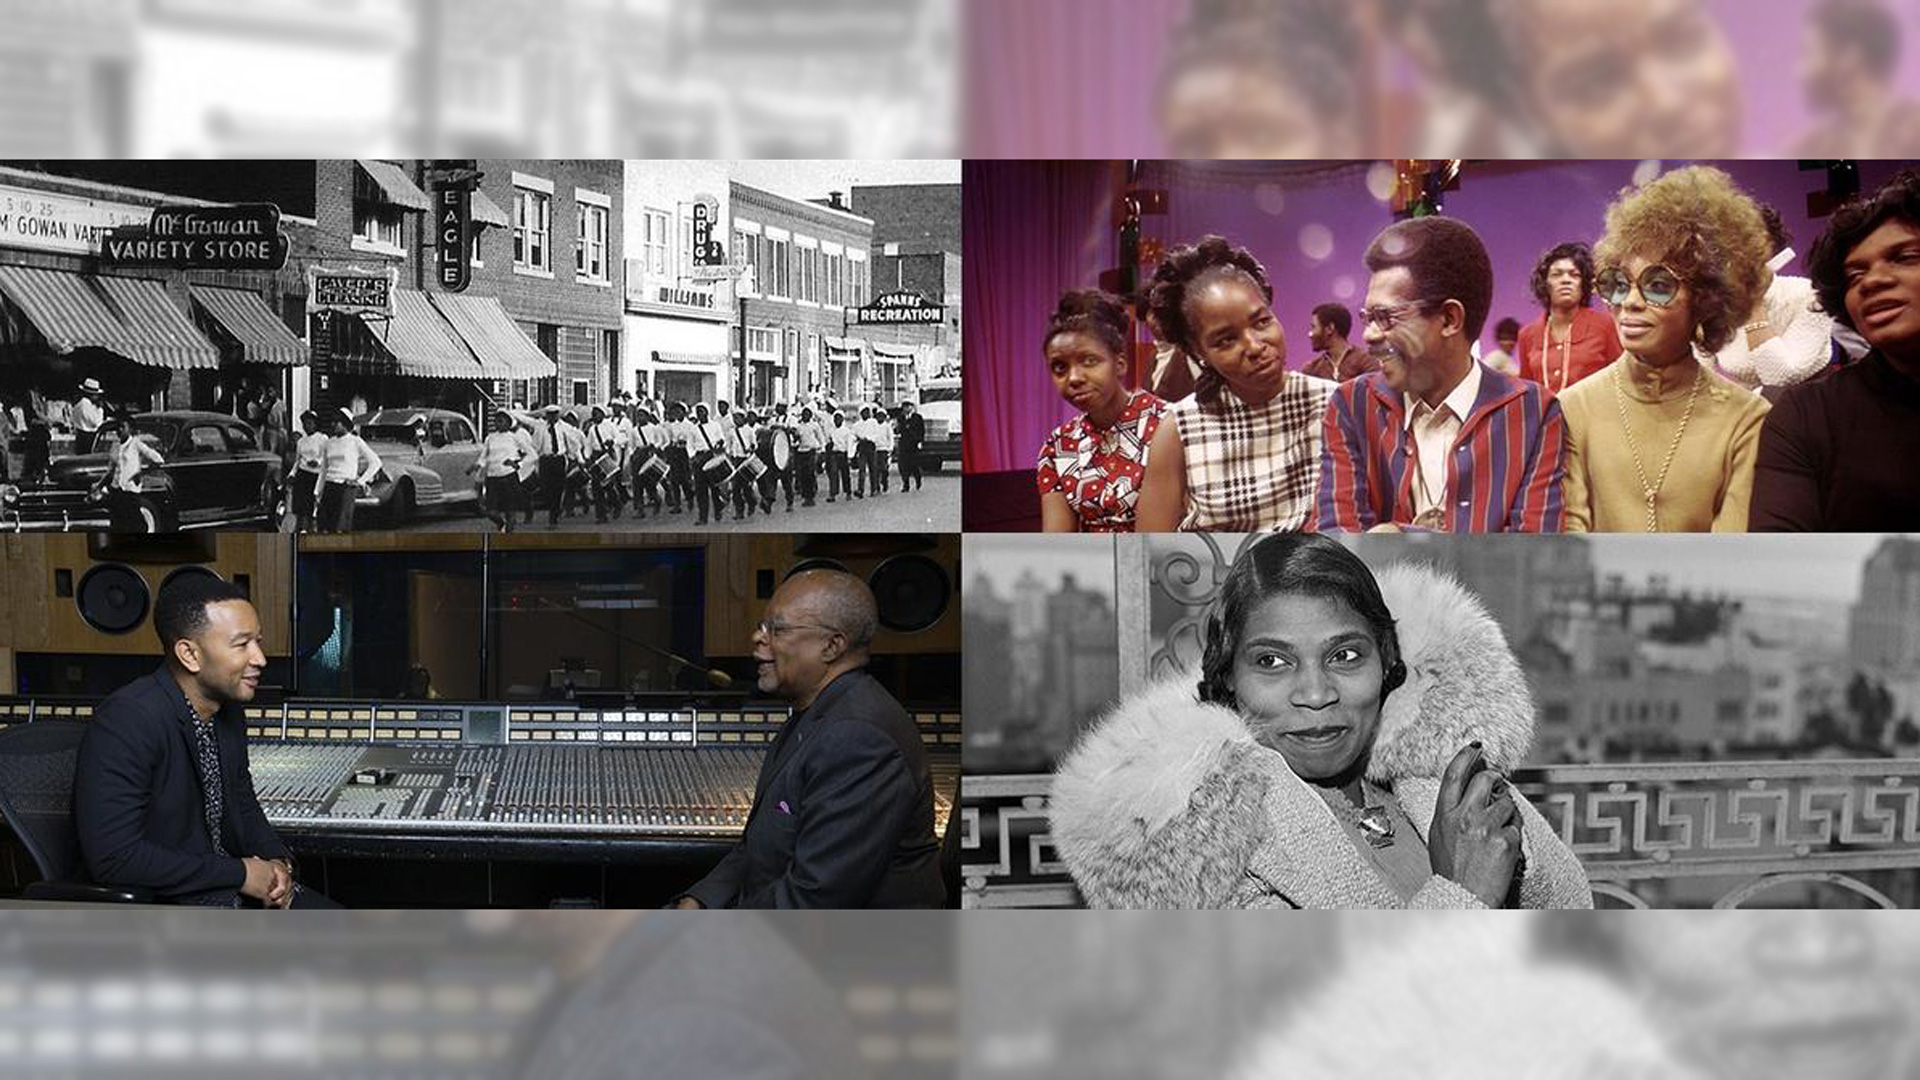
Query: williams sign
[245,237]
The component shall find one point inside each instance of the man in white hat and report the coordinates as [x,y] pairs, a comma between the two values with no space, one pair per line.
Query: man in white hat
[88,416]
[550,443]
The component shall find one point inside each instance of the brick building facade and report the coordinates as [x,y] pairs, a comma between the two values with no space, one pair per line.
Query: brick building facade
[546,247]
[810,265]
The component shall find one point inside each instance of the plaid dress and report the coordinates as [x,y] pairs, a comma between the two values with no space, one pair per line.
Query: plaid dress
[1099,470]
[1253,468]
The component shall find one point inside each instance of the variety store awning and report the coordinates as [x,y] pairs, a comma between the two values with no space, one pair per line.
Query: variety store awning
[263,339]
[129,317]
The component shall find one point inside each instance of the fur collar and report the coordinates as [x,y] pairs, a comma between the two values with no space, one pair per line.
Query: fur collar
[1171,802]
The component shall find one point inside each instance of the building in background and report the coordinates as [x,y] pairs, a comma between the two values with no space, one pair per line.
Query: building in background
[680,317]
[540,321]
[154,335]
[809,267]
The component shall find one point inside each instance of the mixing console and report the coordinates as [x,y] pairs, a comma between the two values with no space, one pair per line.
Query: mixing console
[424,769]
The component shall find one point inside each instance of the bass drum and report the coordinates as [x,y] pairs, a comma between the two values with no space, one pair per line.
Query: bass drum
[782,449]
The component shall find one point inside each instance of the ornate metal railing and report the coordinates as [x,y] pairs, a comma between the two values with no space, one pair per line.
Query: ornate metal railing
[1720,834]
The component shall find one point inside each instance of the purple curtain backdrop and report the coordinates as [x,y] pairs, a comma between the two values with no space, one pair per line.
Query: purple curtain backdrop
[1034,229]
[1075,78]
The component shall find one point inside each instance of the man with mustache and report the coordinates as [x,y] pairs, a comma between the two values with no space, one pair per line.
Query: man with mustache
[1433,440]
[162,797]
[843,812]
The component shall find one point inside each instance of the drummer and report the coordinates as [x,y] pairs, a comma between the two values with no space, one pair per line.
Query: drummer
[603,463]
[741,446]
[709,463]
[680,436]
[781,444]
[649,446]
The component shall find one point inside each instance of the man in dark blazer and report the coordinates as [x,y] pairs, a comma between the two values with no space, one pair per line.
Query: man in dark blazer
[843,812]
[162,797]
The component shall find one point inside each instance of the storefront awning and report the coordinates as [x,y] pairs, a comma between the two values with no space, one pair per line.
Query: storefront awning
[66,310]
[159,333]
[844,344]
[422,344]
[394,185]
[263,339]
[893,353]
[487,212]
[504,351]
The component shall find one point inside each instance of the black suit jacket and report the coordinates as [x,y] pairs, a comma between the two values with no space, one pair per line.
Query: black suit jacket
[911,433]
[136,796]
[843,813]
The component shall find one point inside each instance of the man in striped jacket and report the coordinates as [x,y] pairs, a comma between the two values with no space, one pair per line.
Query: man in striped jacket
[1433,440]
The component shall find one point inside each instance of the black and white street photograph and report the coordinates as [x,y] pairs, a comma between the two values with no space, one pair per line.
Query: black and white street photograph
[466,345]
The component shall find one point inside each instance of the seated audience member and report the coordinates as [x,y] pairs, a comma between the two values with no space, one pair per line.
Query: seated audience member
[1091,467]
[1433,440]
[1787,338]
[1237,456]
[1659,442]
[1837,453]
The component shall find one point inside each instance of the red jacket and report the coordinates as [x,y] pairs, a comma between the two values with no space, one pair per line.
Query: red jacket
[1504,474]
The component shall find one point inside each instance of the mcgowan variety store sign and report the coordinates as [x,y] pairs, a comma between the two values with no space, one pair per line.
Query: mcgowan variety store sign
[244,237]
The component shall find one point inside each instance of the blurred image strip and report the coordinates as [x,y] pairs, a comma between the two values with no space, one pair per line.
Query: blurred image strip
[563,995]
[382,721]
[1437,721]
[479,344]
[1244,996]
[1490,346]
[534,78]
[1299,79]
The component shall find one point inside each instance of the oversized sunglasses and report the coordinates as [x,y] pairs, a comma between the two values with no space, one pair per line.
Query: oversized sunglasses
[1658,285]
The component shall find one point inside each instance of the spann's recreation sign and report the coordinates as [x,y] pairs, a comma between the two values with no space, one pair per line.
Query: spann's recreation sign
[899,307]
[243,237]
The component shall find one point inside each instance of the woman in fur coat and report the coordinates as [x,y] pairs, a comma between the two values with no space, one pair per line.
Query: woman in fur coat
[1346,747]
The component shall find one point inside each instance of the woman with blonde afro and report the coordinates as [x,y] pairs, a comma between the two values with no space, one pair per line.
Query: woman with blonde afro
[1658,441]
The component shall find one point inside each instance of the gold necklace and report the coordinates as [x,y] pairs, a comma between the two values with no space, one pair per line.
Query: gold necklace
[1633,447]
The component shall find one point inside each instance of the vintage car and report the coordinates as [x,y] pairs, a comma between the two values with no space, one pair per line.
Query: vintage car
[215,476]
[414,475]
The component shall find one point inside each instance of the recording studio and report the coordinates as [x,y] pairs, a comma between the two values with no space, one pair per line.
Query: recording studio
[469,720]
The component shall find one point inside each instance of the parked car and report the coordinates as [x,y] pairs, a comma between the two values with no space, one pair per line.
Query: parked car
[413,475]
[940,403]
[215,476]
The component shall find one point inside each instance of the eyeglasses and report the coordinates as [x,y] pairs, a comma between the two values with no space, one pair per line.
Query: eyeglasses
[1386,318]
[1658,285]
[774,629]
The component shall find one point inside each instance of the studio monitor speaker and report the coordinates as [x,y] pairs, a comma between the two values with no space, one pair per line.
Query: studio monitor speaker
[913,578]
[67,593]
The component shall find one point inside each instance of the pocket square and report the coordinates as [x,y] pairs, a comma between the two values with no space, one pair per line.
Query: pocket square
[784,808]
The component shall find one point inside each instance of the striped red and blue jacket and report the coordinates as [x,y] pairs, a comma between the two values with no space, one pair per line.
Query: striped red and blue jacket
[1504,473]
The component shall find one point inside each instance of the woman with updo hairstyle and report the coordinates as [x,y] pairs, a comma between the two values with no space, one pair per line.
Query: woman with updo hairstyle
[1658,441]
[1344,742]
[1242,454]
[1091,467]
[1571,340]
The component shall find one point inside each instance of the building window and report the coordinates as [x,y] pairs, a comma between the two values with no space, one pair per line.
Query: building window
[680,259]
[377,224]
[657,239]
[532,230]
[763,341]
[782,256]
[590,256]
[580,391]
[833,278]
